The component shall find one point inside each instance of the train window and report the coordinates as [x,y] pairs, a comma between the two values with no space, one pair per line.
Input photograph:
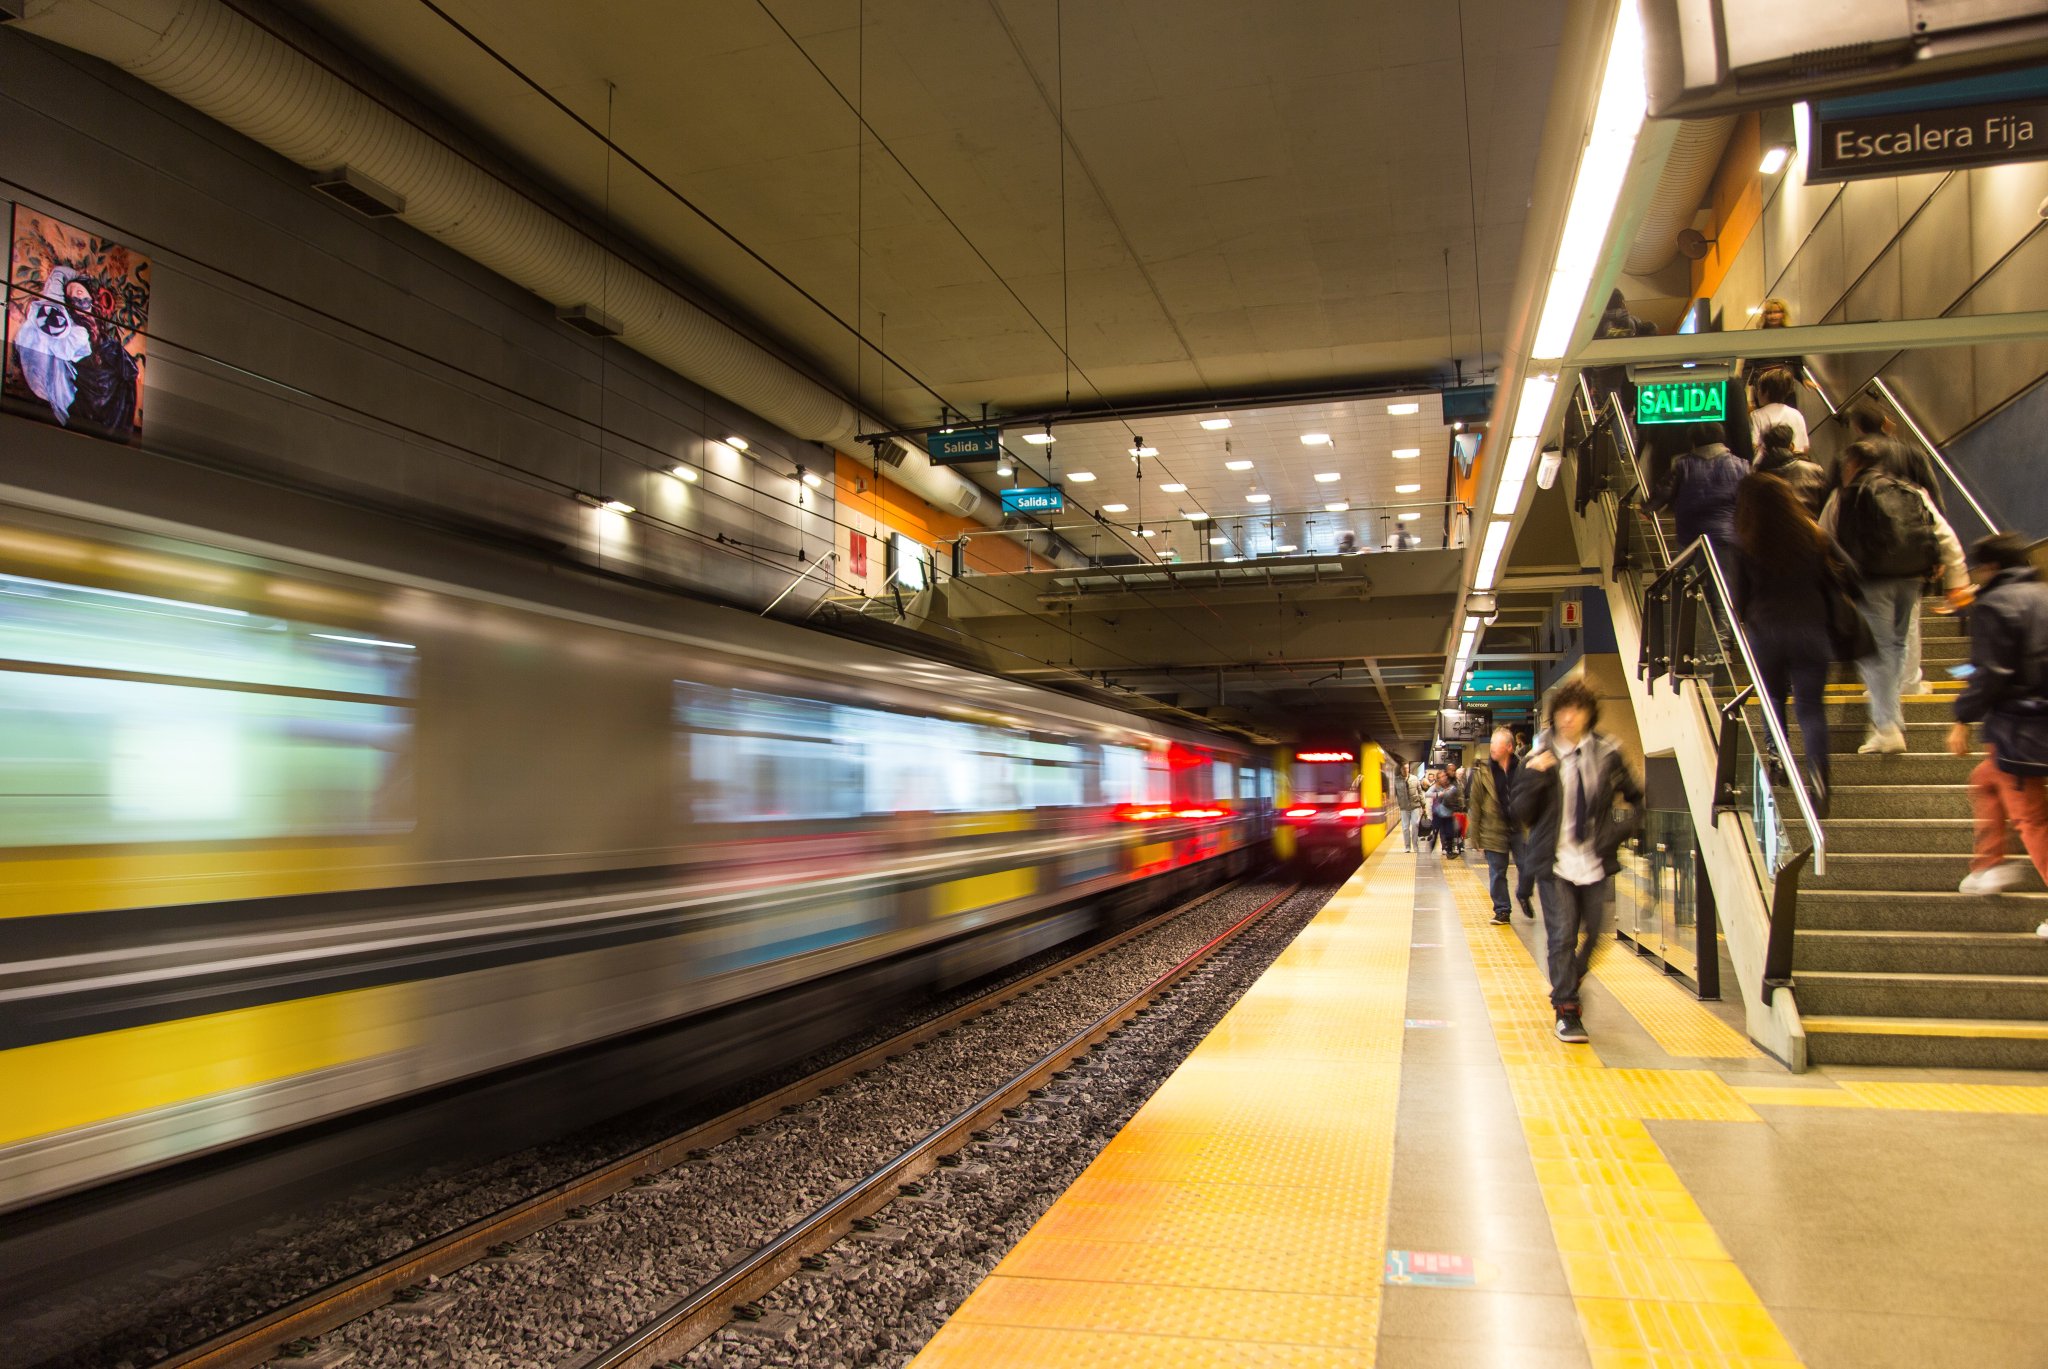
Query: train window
[163,720]
[1126,777]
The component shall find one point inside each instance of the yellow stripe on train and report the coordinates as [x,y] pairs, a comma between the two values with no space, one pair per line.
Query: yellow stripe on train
[982,891]
[60,1085]
[33,886]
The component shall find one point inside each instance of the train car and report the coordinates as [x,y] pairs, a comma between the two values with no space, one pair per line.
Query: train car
[280,840]
[1331,801]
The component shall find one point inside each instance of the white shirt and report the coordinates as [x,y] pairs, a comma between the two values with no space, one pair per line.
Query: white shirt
[1769,416]
[1577,861]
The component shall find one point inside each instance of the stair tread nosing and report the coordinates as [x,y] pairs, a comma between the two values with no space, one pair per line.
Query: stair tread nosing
[1927,1026]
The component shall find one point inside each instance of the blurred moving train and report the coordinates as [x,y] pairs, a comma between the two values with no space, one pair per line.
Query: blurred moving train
[1325,805]
[281,839]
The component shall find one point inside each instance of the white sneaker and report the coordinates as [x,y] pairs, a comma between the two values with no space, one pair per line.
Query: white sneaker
[2042,931]
[1887,742]
[1991,881]
[1918,686]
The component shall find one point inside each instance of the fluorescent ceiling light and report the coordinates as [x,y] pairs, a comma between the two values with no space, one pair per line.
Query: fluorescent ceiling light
[1039,439]
[1407,453]
[1284,548]
[686,474]
[1315,439]
[1472,624]
[1339,507]
[1215,425]
[1534,410]
[1219,541]
[1514,472]
[1409,407]
[1258,498]
[1410,517]
[1144,451]
[1774,160]
[1489,555]
[1328,477]
[1081,477]
[1603,165]
[1145,532]
[1237,465]
[617,506]
[1174,487]
[1195,516]
[1116,508]
[738,444]
[1507,498]
[1231,560]
[1407,489]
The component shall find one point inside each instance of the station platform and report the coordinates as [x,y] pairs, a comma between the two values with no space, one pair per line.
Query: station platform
[1382,1156]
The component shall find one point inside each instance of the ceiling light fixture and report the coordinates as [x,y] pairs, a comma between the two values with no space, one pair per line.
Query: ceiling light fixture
[1142,450]
[1490,553]
[1315,439]
[1195,516]
[1603,166]
[1407,453]
[1237,465]
[1173,487]
[1219,541]
[1116,508]
[1215,425]
[615,505]
[811,478]
[1774,160]
[686,474]
[1328,477]
[1339,507]
[1285,548]
[1407,489]
[1410,517]
[1405,407]
[1041,439]
[1258,498]
[1081,477]
[1004,467]
[1146,532]
[738,444]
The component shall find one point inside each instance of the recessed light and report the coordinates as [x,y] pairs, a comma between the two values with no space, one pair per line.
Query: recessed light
[1410,407]
[1237,465]
[1232,560]
[1219,541]
[1328,477]
[617,506]
[686,474]
[1116,508]
[1174,487]
[1081,477]
[1774,160]
[1039,439]
[1145,532]
[1339,507]
[1195,516]
[1215,425]
[1005,468]
[1144,451]
[1407,489]
[738,444]
[1284,548]
[1410,517]
[1315,439]
[1257,498]
[1407,453]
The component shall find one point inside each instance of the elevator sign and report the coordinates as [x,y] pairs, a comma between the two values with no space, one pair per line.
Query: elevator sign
[1682,401]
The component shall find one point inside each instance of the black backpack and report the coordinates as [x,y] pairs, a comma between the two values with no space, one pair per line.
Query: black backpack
[1887,529]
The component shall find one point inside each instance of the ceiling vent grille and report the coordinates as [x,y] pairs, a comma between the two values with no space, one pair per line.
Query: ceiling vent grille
[585,319]
[891,454]
[367,197]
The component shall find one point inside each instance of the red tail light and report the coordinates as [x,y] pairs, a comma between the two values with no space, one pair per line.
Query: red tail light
[1200,813]
[1301,812]
[1355,814]
[1141,812]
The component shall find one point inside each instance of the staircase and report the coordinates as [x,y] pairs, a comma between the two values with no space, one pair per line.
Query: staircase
[1893,966]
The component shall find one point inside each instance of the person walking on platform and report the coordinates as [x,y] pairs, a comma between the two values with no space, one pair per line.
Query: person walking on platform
[1577,802]
[2008,694]
[1408,800]
[1492,831]
[1895,537]
[1443,812]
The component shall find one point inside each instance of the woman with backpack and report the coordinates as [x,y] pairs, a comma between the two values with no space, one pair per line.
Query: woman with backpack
[1895,537]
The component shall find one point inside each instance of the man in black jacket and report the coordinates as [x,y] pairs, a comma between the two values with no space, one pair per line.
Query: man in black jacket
[2008,693]
[1565,798]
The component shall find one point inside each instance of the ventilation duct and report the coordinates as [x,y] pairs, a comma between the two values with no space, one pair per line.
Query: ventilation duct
[1695,157]
[221,64]
[357,191]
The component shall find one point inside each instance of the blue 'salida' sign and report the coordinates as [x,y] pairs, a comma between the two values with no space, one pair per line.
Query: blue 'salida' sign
[1034,500]
[964,444]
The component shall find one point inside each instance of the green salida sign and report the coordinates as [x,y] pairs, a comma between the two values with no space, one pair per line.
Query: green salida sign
[1682,401]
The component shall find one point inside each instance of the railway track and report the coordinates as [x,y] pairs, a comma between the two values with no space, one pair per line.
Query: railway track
[690,1319]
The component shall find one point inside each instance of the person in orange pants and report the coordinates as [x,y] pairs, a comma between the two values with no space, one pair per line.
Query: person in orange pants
[2008,693]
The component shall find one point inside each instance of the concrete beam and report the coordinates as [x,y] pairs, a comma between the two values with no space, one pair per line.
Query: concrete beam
[1885,335]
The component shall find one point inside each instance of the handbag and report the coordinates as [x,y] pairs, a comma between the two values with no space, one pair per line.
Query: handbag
[1849,635]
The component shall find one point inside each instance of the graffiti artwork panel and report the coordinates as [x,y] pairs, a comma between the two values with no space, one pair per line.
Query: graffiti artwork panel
[77,315]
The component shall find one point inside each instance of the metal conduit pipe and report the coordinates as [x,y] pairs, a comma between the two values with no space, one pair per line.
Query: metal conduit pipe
[211,58]
[1695,156]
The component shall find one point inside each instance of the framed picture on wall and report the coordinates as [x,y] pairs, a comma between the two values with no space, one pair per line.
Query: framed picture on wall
[77,315]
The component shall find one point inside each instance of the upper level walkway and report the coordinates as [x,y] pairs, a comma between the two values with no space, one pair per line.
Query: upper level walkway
[1382,1156]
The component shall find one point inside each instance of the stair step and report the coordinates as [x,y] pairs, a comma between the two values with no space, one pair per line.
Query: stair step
[1865,910]
[1865,836]
[1924,737]
[1845,711]
[1912,768]
[1837,993]
[1953,1042]
[1896,801]
[1908,872]
[1962,953]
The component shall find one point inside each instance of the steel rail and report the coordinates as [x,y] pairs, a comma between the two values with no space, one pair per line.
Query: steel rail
[694,1318]
[259,1340]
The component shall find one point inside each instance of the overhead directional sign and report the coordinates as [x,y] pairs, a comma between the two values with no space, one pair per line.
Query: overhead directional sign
[1493,683]
[1682,401]
[1034,500]
[1979,121]
[964,444]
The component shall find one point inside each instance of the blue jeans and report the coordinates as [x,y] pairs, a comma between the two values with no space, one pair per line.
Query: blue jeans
[1497,881]
[1572,914]
[1409,818]
[1888,606]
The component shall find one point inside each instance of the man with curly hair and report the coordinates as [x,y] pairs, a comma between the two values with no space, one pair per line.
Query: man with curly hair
[1577,802]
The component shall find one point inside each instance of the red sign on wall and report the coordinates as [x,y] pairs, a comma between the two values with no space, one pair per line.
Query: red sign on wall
[857,555]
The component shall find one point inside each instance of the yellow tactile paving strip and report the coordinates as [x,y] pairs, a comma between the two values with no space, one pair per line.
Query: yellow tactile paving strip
[2016,1100]
[1240,1218]
[1674,1021]
[1652,1283]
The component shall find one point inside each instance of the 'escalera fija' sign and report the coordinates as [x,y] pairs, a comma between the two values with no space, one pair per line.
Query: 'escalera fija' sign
[1852,146]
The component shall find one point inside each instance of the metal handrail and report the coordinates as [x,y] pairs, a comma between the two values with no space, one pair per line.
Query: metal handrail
[1625,443]
[1912,425]
[1702,552]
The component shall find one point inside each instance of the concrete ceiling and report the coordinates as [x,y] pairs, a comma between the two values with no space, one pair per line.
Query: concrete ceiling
[1259,197]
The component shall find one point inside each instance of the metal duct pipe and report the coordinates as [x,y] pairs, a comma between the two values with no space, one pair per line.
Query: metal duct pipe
[211,58]
[1695,156]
